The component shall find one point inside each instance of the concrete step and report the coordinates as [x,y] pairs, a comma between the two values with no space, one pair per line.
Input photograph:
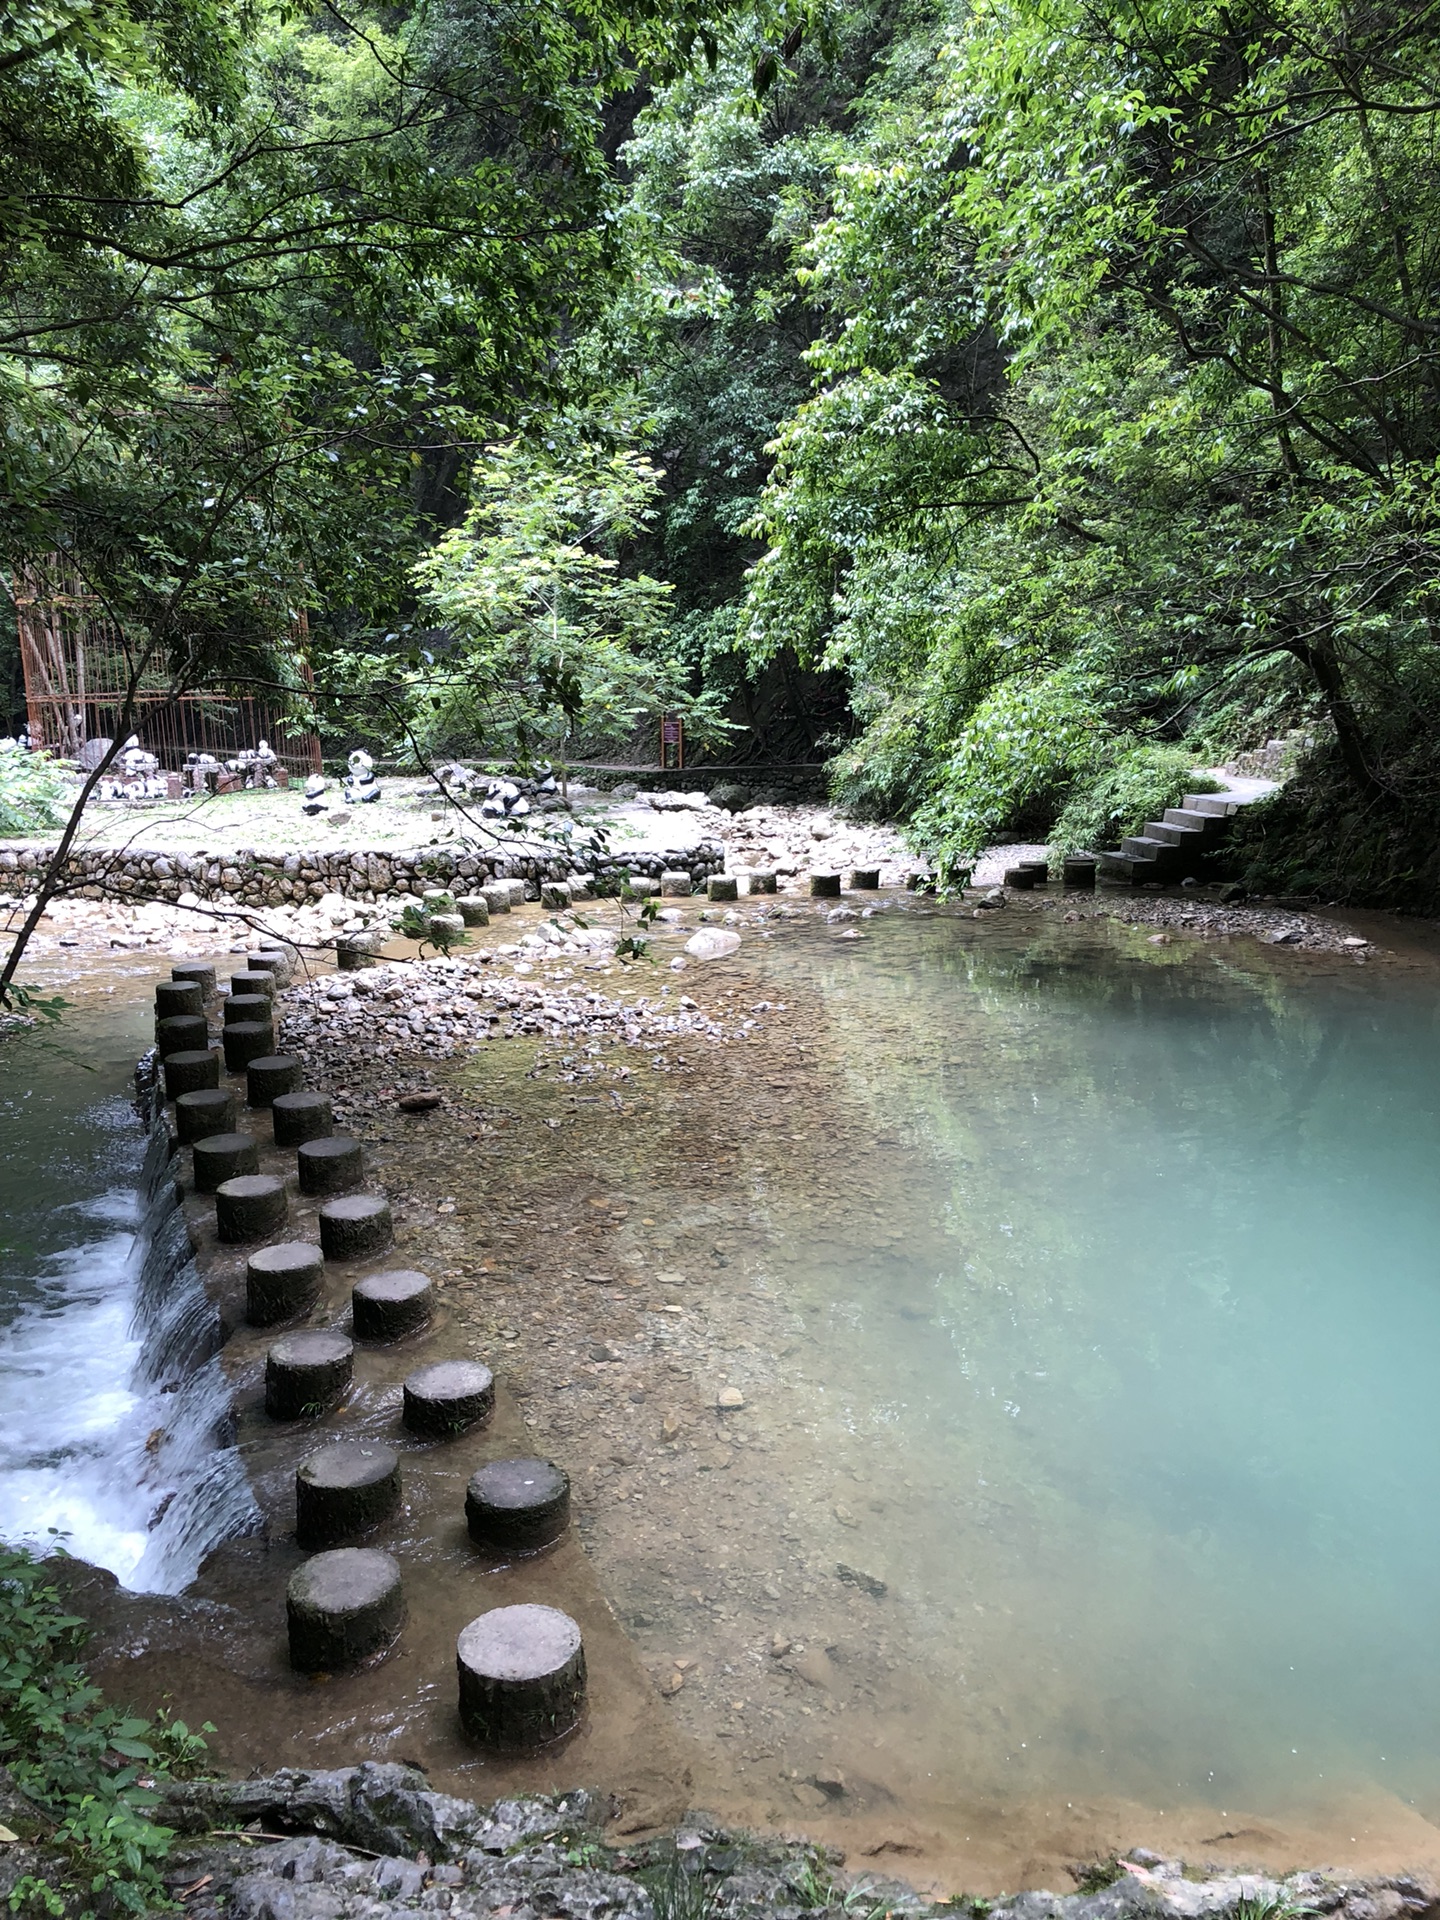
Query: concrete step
[1124,866]
[1172,833]
[1198,822]
[1220,804]
[1141,846]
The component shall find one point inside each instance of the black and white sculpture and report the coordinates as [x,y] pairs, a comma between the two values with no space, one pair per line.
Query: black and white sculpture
[360,783]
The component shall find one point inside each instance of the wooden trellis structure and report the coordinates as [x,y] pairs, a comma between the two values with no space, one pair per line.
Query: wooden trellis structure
[76,671]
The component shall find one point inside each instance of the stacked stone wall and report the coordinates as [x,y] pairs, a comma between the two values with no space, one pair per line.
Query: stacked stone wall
[248,879]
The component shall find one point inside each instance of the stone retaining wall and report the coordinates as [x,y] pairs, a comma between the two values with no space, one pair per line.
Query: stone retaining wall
[248,879]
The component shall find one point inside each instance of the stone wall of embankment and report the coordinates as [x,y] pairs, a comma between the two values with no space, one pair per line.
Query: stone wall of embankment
[250,879]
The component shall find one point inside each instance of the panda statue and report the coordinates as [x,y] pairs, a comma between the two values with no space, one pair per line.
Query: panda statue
[361,786]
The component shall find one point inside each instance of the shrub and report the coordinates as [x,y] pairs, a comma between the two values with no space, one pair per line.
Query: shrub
[1118,798]
[32,793]
[90,1769]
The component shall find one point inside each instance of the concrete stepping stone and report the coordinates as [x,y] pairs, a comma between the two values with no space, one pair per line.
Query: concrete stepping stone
[334,1164]
[355,1225]
[448,1398]
[197,970]
[341,1607]
[174,998]
[387,1306]
[222,1156]
[865,880]
[252,981]
[345,1490]
[825,886]
[181,1033]
[190,1070]
[271,1075]
[249,1207]
[518,1505]
[247,1040]
[203,1114]
[306,1374]
[282,1281]
[300,1116]
[248,1006]
[522,1676]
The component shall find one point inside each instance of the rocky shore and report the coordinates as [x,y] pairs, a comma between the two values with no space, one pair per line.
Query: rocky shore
[374,1841]
[130,896]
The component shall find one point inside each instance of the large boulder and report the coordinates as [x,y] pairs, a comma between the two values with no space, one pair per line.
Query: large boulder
[730,797]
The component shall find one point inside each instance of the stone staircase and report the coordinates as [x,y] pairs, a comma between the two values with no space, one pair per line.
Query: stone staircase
[1172,848]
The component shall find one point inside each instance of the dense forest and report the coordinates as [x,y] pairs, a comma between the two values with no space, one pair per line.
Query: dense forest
[1013,405]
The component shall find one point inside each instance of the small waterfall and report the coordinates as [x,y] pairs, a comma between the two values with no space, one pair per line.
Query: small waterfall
[117,1437]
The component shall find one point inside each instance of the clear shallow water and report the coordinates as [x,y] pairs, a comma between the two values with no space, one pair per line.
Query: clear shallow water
[1138,1356]
[108,1427]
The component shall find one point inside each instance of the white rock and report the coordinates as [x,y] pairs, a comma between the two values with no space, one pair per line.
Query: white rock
[712,943]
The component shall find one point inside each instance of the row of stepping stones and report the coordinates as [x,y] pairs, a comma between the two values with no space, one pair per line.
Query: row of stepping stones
[521,1668]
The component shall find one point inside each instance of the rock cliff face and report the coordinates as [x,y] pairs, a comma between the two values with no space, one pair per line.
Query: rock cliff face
[373,1842]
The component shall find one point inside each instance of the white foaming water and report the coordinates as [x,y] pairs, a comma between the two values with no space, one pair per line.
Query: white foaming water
[113,1409]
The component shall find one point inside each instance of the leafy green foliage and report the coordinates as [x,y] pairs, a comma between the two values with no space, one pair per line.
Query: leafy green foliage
[1127,367]
[544,633]
[90,1769]
[418,923]
[33,795]
[1131,787]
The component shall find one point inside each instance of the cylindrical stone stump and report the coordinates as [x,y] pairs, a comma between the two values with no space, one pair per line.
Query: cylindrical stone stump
[241,1007]
[300,1116]
[190,1070]
[354,1226]
[1022,878]
[307,1373]
[825,886]
[497,898]
[387,1306]
[247,1040]
[1080,872]
[554,893]
[222,1156]
[256,980]
[518,1506]
[200,1115]
[865,879]
[722,886]
[676,884]
[174,998]
[342,1607]
[448,1398]
[282,1281]
[198,971]
[272,1074]
[249,1207]
[355,950]
[761,883]
[181,1033]
[474,910]
[344,1491]
[522,1676]
[272,960]
[332,1165]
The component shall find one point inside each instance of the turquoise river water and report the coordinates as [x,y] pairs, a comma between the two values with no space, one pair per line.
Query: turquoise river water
[1160,1335]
